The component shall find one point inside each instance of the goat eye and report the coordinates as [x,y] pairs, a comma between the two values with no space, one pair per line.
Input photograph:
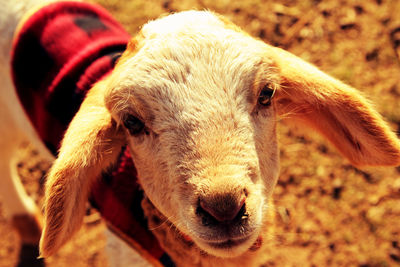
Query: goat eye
[133,124]
[266,95]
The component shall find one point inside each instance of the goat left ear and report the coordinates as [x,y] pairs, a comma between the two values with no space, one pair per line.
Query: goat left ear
[92,142]
[335,110]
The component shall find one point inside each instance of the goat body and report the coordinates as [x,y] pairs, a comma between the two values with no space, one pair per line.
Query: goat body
[196,99]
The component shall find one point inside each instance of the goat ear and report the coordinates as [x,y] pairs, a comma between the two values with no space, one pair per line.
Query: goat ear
[91,143]
[335,110]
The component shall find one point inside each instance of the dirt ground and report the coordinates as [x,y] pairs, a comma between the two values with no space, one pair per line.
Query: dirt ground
[328,212]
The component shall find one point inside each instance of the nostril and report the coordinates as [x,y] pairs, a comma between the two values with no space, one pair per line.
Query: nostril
[206,218]
[220,210]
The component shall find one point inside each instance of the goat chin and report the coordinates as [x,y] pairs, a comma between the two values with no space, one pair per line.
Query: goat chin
[228,249]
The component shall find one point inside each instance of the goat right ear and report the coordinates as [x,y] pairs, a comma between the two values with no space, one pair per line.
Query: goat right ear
[92,142]
[335,110]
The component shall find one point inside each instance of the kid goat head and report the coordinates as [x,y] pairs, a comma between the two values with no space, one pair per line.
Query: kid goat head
[196,100]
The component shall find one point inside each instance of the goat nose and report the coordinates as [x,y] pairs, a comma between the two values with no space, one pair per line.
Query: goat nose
[223,208]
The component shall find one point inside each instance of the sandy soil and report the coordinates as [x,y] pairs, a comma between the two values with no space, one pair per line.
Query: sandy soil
[329,213]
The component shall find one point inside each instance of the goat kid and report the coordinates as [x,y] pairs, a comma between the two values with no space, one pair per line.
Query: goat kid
[196,100]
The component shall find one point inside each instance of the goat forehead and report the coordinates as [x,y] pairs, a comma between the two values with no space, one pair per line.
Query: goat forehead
[204,50]
[194,78]
[190,63]
[198,44]
[196,65]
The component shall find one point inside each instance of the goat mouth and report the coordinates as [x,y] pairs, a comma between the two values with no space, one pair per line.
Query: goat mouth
[230,247]
[230,243]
